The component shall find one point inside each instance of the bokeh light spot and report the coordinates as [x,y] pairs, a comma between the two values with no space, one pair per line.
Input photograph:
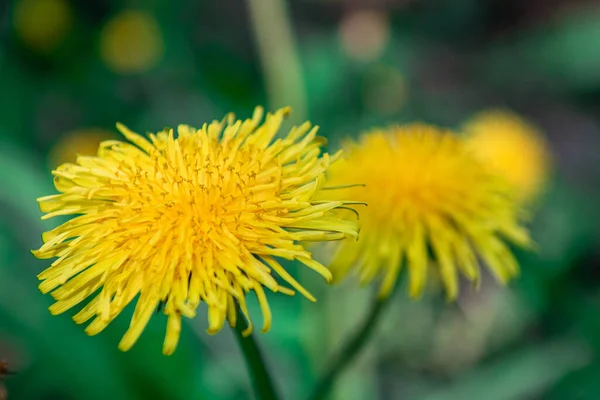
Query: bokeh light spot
[42,24]
[131,42]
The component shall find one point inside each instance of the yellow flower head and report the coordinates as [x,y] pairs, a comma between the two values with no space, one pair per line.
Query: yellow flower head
[428,201]
[201,215]
[513,147]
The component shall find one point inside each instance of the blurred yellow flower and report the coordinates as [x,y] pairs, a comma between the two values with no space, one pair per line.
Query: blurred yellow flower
[83,142]
[424,191]
[131,42]
[42,24]
[200,215]
[513,147]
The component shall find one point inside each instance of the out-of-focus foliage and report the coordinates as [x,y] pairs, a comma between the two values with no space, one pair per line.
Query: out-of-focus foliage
[80,66]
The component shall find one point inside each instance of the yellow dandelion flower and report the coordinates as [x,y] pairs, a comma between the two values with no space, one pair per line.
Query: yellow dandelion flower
[179,219]
[429,202]
[513,147]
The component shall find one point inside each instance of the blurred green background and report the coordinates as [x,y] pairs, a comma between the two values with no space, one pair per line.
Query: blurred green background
[69,70]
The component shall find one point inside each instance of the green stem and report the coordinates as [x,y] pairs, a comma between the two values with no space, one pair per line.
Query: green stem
[351,349]
[261,380]
[277,48]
